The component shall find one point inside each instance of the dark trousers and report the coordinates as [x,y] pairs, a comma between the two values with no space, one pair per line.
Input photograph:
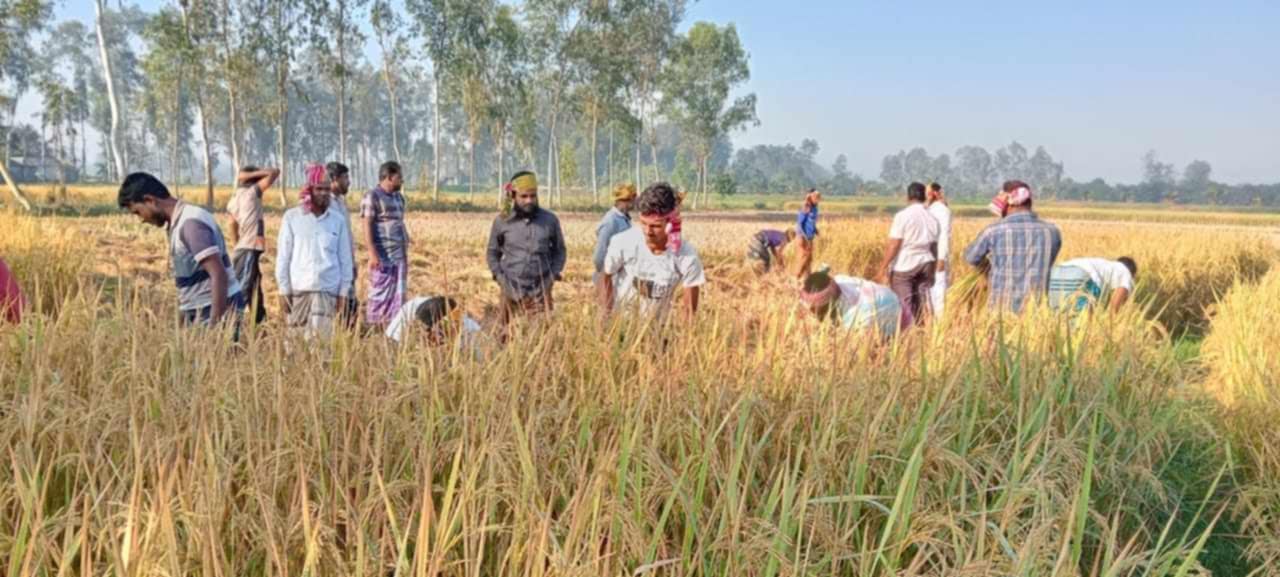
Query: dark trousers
[248,267]
[912,288]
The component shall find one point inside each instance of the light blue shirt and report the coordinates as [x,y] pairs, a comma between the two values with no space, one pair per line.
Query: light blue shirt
[313,254]
[615,221]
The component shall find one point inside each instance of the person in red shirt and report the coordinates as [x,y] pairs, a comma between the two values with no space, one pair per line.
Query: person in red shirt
[11,300]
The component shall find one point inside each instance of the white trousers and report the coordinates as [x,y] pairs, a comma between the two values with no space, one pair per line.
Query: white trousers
[938,294]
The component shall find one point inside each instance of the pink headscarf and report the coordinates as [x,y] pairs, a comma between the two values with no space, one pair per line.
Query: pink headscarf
[316,178]
[1020,196]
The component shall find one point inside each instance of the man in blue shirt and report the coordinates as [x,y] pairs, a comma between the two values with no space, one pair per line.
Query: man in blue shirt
[807,228]
[1018,251]
[617,220]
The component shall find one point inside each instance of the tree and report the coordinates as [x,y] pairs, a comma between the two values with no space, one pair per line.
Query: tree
[279,49]
[387,27]
[651,25]
[1157,180]
[893,170]
[974,169]
[165,64]
[16,56]
[1044,172]
[198,23]
[507,71]
[337,30]
[842,181]
[603,67]
[1196,177]
[706,65]
[109,80]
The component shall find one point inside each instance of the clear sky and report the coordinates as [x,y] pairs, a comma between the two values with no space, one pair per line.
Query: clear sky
[1097,83]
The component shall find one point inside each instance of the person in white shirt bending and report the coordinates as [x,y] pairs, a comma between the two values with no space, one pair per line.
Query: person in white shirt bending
[1081,282]
[941,213]
[314,260]
[909,256]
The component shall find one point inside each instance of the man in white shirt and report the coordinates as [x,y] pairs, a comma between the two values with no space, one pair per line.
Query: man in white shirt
[642,270]
[314,261]
[1091,280]
[339,184]
[439,320]
[909,256]
[941,213]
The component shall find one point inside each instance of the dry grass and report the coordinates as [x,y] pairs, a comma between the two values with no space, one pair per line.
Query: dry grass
[757,443]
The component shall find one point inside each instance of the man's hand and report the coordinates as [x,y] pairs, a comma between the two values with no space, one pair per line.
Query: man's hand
[942,266]
[284,305]
[342,305]
[374,264]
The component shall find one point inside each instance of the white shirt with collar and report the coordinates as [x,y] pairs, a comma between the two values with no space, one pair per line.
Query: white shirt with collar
[314,254]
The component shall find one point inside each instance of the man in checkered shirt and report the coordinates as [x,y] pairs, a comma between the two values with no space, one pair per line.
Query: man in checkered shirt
[1017,251]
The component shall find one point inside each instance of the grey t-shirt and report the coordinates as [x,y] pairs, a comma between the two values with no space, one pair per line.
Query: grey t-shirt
[194,237]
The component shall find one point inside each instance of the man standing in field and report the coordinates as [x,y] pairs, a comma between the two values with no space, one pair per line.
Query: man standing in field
[644,269]
[339,184]
[616,221]
[383,212]
[941,213]
[1018,251]
[807,229]
[249,233]
[910,255]
[313,260]
[526,252]
[208,291]
[1081,282]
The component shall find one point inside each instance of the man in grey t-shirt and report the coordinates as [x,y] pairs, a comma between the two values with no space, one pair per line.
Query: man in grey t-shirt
[207,288]
[249,232]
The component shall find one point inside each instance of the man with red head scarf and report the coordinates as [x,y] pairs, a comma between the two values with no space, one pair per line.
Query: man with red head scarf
[1017,251]
[314,259]
[643,269]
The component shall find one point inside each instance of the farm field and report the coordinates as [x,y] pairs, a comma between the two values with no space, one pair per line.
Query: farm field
[750,441]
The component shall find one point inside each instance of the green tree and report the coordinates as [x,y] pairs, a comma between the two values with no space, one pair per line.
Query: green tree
[19,21]
[706,65]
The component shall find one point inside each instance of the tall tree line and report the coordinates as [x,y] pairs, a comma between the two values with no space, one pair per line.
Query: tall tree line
[462,92]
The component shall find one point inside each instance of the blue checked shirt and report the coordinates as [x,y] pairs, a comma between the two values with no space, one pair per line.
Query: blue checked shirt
[1020,249]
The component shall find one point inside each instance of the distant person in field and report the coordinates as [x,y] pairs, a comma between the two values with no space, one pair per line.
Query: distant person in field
[616,221]
[910,256]
[526,253]
[437,321]
[855,304]
[941,213]
[1017,252]
[807,230]
[314,259]
[11,300]
[1081,282]
[643,269]
[208,292]
[764,251]
[383,210]
[249,233]
[339,184]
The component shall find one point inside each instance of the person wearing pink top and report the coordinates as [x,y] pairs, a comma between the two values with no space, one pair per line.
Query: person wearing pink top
[11,299]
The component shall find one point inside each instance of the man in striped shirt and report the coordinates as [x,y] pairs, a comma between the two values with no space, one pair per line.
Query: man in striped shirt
[1017,252]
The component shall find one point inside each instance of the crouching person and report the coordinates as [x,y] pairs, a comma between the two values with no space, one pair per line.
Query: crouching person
[857,305]
[314,262]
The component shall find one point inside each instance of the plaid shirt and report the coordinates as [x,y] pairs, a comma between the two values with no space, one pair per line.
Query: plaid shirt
[1020,250]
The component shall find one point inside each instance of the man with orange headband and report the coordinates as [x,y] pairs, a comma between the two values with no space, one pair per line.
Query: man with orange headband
[616,221]
[807,228]
[526,250]
[643,269]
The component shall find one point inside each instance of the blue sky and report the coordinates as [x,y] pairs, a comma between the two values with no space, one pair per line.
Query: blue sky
[1097,83]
